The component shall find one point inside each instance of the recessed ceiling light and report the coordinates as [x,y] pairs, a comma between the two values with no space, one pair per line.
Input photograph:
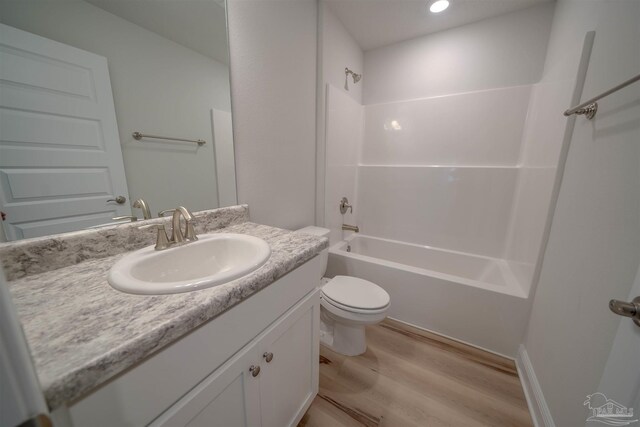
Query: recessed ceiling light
[438,6]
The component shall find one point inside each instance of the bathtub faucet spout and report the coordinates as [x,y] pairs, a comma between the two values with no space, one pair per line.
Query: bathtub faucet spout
[353,228]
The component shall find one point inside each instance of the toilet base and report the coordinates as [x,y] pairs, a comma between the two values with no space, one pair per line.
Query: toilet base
[345,339]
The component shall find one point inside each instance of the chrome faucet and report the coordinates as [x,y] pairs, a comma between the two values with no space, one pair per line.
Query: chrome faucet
[177,236]
[146,212]
[353,228]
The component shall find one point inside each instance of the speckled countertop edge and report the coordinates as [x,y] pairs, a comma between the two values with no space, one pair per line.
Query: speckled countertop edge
[82,332]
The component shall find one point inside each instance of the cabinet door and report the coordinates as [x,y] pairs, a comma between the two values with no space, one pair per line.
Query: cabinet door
[227,398]
[290,352]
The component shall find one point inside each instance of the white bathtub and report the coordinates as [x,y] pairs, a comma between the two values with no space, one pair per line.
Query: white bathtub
[467,297]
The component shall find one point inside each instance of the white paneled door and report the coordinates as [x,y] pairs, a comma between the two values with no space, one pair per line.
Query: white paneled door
[60,156]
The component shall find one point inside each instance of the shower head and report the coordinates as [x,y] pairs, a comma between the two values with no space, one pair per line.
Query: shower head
[356,77]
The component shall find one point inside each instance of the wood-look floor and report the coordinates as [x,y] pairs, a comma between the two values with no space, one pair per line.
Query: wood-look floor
[410,377]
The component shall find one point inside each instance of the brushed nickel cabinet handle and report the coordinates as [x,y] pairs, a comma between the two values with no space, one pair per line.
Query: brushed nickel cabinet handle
[268,357]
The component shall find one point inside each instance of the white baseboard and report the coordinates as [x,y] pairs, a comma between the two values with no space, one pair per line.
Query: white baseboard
[479,347]
[535,399]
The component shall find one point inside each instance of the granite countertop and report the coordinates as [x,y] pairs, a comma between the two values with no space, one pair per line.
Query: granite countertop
[82,332]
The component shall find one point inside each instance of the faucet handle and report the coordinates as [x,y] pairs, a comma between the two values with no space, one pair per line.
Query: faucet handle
[166,211]
[344,205]
[162,241]
[191,231]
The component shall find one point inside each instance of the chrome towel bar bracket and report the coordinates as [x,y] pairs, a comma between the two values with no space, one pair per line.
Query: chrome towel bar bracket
[590,108]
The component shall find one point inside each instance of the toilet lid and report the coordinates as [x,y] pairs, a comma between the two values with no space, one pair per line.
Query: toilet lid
[356,293]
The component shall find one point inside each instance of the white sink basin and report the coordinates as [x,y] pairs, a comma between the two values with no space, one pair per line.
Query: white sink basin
[214,259]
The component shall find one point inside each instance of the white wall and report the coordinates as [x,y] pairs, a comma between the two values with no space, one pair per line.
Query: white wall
[594,246]
[159,87]
[273,58]
[507,50]
[340,50]
[225,159]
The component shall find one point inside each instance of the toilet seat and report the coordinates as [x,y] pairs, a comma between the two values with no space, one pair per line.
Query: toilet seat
[352,309]
[355,295]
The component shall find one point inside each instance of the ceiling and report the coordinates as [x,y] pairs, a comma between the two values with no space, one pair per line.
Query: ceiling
[377,23]
[200,25]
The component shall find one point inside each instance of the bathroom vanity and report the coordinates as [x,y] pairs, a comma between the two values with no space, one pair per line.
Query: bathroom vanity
[242,353]
[232,371]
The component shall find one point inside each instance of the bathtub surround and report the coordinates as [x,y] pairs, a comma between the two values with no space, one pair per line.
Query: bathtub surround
[471,155]
[344,118]
[336,50]
[34,256]
[457,208]
[476,128]
[462,140]
[458,154]
[382,166]
[449,161]
[117,329]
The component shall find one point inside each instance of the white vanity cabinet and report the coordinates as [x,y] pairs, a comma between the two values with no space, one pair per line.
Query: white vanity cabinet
[270,383]
[289,382]
[205,378]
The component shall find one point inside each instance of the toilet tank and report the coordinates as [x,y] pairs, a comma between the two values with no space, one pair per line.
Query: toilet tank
[320,232]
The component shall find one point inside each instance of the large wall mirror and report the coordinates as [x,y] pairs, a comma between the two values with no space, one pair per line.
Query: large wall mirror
[78,79]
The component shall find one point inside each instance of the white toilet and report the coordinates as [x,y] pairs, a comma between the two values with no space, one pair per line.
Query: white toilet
[348,304]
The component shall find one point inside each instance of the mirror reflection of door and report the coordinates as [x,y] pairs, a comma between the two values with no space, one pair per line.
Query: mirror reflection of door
[60,160]
[168,70]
